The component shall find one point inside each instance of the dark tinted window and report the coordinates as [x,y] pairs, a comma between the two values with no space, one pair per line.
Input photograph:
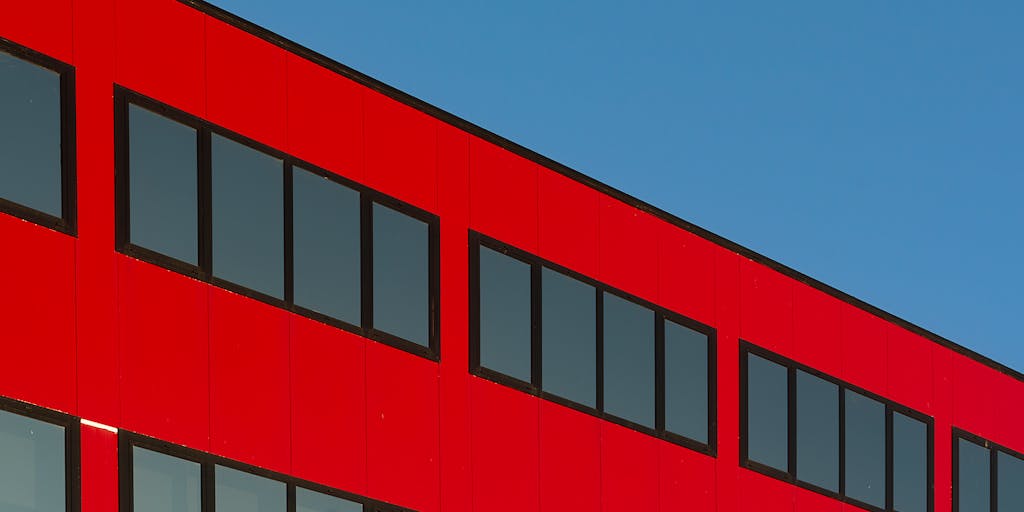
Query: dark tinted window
[162,483]
[30,135]
[767,416]
[326,246]
[1010,471]
[910,464]
[238,491]
[865,449]
[569,335]
[163,185]
[628,360]
[248,217]
[401,275]
[686,382]
[817,431]
[973,477]
[504,314]
[309,501]
[32,465]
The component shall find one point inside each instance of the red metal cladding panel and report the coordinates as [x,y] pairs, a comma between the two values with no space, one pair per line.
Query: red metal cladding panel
[764,493]
[686,273]
[687,480]
[628,248]
[909,369]
[810,501]
[766,307]
[99,470]
[325,118]
[402,428]
[160,51]
[864,346]
[164,340]
[328,402]
[249,402]
[816,329]
[245,86]
[629,469]
[974,403]
[1008,420]
[453,175]
[503,195]
[505,448]
[43,25]
[37,308]
[568,222]
[401,150]
[570,459]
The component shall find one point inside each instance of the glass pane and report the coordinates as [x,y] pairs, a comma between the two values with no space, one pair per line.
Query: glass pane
[865,449]
[326,241]
[686,382]
[973,477]
[628,360]
[401,275]
[163,483]
[31,465]
[163,185]
[910,464]
[248,217]
[504,314]
[30,159]
[1010,473]
[309,501]
[569,337]
[238,491]
[817,431]
[767,413]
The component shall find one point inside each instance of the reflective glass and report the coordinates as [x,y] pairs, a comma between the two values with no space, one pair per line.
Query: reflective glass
[686,382]
[628,360]
[238,491]
[865,449]
[1010,471]
[326,246]
[569,337]
[310,501]
[162,483]
[401,275]
[248,217]
[973,483]
[767,412]
[30,150]
[504,314]
[162,185]
[817,431]
[32,465]
[910,464]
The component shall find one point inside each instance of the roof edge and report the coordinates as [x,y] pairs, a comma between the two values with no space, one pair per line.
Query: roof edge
[485,134]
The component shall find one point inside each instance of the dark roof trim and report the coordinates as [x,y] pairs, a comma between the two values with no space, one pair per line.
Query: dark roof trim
[571,173]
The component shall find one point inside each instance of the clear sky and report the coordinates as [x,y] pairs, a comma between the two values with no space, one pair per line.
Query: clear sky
[877,146]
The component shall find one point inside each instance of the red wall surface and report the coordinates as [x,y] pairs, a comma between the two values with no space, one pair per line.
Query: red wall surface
[94,333]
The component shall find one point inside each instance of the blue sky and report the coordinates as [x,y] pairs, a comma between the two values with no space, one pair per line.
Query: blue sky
[877,146]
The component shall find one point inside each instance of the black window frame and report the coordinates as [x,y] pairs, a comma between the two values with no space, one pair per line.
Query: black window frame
[747,348]
[208,463]
[535,386]
[67,222]
[204,271]
[993,451]
[72,445]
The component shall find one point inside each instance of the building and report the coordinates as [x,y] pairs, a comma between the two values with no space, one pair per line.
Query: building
[241,276]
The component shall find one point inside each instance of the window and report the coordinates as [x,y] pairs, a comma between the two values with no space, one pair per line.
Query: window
[37,152]
[986,477]
[161,477]
[199,200]
[807,428]
[38,459]
[548,331]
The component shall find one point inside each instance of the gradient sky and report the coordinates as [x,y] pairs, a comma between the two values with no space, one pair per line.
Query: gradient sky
[877,146]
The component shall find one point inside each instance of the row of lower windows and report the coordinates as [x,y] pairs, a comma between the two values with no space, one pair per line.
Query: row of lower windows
[986,477]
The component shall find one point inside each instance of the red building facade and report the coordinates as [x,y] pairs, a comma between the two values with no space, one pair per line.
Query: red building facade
[396,403]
